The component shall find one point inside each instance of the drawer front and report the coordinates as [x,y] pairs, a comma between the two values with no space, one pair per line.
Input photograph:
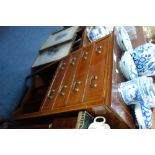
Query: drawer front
[54,87]
[78,85]
[65,87]
[96,77]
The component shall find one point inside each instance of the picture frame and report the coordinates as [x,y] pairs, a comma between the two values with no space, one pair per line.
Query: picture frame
[60,37]
[53,54]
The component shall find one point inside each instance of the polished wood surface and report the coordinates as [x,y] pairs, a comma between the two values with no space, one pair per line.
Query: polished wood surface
[96,77]
[78,86]
[94,91]
[65,87]
[52,92]
[64,122]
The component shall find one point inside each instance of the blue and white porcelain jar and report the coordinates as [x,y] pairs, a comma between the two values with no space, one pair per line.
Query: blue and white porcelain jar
[140,89]
[130,91]
[143,57]
[143,116]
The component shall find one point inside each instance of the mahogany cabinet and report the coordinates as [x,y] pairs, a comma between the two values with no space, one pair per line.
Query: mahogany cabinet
[87,79]
[83,80]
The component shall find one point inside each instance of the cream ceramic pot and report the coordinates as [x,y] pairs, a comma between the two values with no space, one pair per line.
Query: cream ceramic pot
[99,123]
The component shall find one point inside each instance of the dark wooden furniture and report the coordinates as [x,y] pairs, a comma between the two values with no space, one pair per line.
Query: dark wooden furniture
[87,79]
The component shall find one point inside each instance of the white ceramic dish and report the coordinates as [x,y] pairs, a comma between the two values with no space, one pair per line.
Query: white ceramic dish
[121,68]
[128,67]
[119,42]
[124,68]
[126,40]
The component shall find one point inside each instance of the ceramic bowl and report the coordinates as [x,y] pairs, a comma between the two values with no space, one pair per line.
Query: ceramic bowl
[143,116]
[123,70]
[130,66]
[123,39]
[119,41]
[124,67]
[127,66]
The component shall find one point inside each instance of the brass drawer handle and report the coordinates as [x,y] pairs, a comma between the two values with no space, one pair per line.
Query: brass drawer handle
[62,92]
[85,57]
[75,88]
[99,49]
[63,66]
[92,83]
[50,94]
[73,61]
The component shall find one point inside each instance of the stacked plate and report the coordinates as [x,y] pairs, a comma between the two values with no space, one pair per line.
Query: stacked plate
[123,39]
[127,66]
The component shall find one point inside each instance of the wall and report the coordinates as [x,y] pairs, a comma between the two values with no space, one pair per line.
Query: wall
[18,49]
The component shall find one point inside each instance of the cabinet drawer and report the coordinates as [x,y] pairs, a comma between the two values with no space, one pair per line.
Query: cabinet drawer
[78,85]
[54,87]
[96,77]
[65,87]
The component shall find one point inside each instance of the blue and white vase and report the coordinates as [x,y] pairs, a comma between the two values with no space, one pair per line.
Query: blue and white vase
[143,116]
[140,89]
[143,57]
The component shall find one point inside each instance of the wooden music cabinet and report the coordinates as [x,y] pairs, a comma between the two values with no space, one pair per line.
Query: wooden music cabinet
[87,79]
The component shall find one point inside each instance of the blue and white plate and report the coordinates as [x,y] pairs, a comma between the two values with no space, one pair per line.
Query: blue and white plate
[143,116]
